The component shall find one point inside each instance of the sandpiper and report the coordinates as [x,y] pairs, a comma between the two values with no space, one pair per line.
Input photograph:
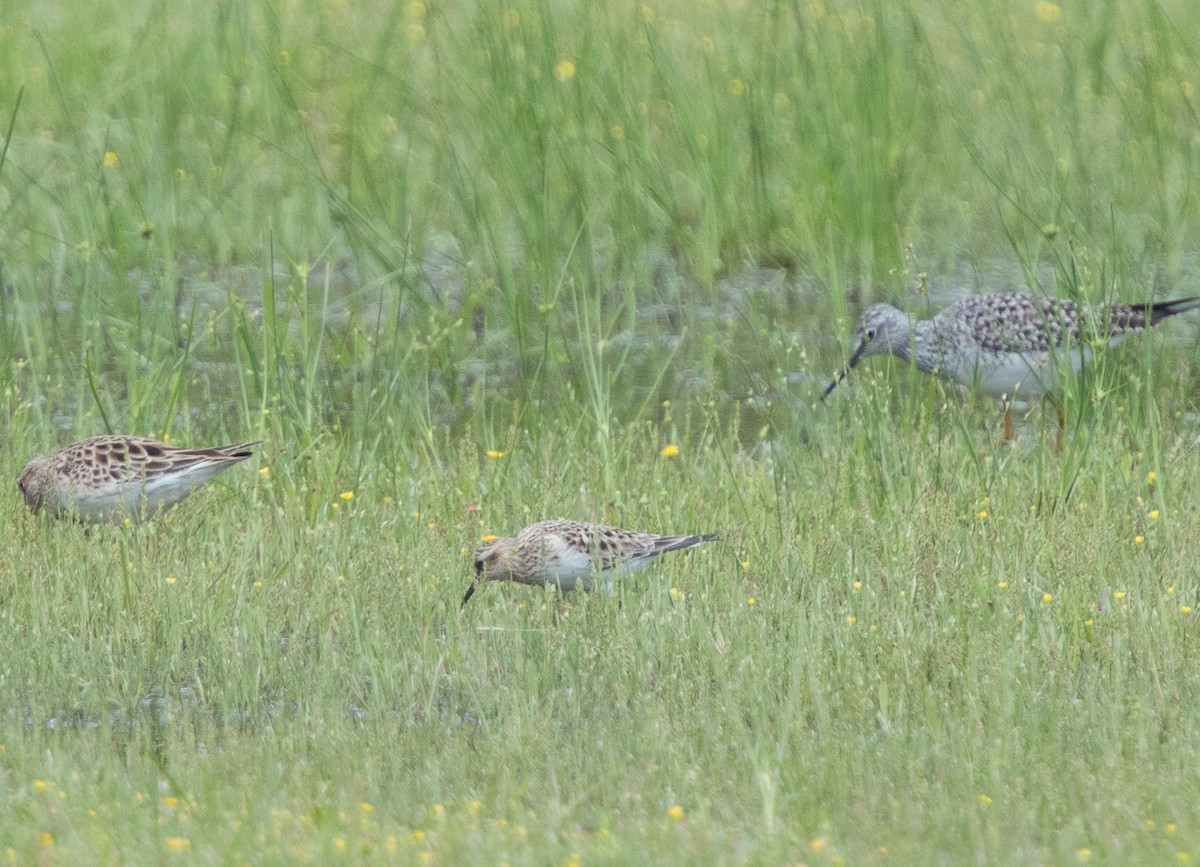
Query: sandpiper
[1005,344]
[110,478]
[571,554]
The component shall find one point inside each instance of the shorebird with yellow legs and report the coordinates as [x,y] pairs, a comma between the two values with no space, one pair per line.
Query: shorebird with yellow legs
[1005,344]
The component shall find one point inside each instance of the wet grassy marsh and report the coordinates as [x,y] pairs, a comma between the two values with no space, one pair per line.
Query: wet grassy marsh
[464,266]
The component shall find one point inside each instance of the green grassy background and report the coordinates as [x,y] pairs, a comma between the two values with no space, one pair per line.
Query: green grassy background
[391,239]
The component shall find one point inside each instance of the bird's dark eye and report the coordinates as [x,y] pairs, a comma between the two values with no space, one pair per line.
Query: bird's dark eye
[871,333]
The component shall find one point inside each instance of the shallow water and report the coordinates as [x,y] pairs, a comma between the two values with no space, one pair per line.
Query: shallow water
[756,339]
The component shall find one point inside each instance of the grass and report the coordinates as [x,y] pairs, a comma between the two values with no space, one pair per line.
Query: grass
[463,267]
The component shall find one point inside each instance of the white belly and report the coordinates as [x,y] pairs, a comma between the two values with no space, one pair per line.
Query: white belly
[568,567]
[1015,374]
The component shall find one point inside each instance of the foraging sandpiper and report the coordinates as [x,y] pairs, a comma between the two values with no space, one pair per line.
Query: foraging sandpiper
[571,554]
[110,478]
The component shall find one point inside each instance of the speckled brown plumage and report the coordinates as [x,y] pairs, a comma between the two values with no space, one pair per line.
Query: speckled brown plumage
[570,554]
[111,478]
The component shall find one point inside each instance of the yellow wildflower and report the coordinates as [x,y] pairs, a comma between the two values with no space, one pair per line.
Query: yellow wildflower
[1047,12]
[564,70]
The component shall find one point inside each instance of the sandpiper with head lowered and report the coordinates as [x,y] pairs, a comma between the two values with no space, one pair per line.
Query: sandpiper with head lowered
[571,554]
[110,478]
[1005,344]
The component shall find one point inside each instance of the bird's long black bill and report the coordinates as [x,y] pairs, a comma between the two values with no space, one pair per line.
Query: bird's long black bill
[854,360]
[469,594]
[829,390]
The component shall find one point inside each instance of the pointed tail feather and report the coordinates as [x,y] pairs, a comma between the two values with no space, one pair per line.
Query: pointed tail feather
[678,542]
[1126,318]
[1160,310]
[240,451]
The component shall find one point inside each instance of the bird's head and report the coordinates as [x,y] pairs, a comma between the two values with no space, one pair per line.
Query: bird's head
[881,329]
[36,481]
[492,562]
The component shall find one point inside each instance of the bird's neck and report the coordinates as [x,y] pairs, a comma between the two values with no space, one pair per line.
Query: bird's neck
[923,347]
[503,567]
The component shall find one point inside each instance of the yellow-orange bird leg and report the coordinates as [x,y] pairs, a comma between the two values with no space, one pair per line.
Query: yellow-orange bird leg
[1007,436]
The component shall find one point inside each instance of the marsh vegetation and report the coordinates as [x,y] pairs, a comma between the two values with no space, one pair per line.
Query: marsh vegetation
[466,265]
